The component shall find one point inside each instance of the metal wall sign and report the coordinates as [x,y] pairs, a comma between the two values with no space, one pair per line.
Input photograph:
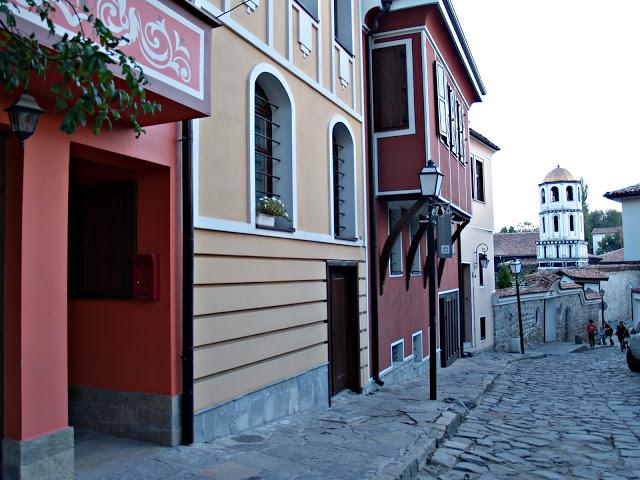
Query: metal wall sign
[444,242]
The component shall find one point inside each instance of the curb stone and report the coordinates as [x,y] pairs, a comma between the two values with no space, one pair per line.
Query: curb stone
[420,453]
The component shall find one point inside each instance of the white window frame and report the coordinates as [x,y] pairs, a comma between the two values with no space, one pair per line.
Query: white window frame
[257,71]
[339,119]
[395,344]
[418,256]
[422,357]
[411,114]
[349,51]
[398,241]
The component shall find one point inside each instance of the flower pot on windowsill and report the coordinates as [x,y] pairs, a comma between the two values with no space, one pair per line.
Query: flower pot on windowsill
[263,220]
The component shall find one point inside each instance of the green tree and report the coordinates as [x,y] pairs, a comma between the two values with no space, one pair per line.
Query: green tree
[503,277]
[610,242]
[525,226]
[588,228]
[83,67]
[606,218]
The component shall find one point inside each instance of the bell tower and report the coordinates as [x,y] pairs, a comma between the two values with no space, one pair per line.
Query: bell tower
[561,242]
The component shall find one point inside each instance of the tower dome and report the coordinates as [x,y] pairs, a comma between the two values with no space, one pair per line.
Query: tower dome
[559,174]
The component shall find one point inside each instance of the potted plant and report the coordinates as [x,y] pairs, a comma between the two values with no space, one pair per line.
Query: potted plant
[268,208]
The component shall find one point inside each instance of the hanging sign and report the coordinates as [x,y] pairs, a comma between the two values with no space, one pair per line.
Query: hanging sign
[445,245]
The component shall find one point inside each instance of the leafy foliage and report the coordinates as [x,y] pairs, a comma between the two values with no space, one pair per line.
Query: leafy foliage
[606,218]
[82,65]
[610,242]
[503,277]
[588,227]
[525,226]
[272,206]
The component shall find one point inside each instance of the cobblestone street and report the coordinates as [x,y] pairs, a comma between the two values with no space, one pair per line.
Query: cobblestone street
[557,417]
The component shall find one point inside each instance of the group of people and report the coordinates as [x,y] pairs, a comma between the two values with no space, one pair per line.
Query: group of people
[605,332]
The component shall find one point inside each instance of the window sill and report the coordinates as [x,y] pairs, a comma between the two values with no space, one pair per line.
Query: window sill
[277,229]
[345,239]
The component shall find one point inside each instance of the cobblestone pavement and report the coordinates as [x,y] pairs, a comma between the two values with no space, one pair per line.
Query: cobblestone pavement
[386,435]
[558,417]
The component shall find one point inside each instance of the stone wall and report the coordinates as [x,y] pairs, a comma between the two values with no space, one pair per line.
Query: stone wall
[571,314]
[618,294]
[505,322]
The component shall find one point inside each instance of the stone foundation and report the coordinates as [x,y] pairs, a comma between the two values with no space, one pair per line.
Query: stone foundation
[44,458]
[141,416]
[304,392]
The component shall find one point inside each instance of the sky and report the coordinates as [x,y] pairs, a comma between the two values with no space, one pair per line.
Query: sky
[562,80]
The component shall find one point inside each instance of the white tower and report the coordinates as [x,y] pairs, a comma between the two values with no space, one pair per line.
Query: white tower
[561,241]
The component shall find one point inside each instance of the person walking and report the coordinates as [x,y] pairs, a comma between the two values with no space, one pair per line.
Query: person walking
[622,333]
[591,332]
[608,332]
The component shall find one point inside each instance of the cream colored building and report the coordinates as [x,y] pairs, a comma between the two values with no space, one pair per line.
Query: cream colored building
[477,241]
[286,122]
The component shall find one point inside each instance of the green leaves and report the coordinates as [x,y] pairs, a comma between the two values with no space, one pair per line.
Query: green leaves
[87,91]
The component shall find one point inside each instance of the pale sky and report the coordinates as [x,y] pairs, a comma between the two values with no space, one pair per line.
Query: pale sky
[563,83]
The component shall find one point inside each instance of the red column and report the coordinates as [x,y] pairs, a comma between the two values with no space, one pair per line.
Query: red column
[36,272]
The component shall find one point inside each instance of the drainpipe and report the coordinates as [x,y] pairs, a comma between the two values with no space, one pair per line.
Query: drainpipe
[187,282]
[373,235]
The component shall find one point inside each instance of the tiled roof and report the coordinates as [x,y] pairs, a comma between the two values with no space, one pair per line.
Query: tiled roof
[613,256]
[630,191]
[583,273]
[483,139]
[515,244]
[537,282]
[606,230]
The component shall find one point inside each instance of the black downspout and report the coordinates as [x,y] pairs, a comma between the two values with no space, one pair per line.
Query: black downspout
[187,283]
[373,237]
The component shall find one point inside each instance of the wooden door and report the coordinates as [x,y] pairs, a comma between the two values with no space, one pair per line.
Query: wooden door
[343,329]
[449,328]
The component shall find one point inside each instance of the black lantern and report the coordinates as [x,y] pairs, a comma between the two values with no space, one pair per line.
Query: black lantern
[515,266]
[430,180]
[484,260]
[23,116]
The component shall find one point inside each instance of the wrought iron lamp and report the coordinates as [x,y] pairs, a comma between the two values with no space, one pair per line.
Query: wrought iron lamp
[430,185]
[515,266]
[483,258]
[23,116]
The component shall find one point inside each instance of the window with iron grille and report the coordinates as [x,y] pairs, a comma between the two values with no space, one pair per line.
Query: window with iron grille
[273,155]
[265,143]
[342,159]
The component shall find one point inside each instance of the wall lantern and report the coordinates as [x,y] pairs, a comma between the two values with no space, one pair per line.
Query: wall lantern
[23,116]
[482,257]
[430,180]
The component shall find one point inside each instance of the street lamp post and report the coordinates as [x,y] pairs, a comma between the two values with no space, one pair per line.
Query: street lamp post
[515,267]
[430,185]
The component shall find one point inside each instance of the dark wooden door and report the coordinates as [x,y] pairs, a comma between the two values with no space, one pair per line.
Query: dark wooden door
[449,328]
[343,328]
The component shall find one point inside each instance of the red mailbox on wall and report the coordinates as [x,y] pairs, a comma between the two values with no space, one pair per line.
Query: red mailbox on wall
[146,276]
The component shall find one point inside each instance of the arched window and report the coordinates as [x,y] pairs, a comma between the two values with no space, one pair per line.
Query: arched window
[569,194]
[556,223]
[344,201]
[542,196]
[571,227]
[555,194]
[273,157]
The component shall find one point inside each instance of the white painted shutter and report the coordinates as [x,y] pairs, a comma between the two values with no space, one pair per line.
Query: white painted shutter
[461,143]
[443,101]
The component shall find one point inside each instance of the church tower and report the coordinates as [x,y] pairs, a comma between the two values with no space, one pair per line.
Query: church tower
[561,241]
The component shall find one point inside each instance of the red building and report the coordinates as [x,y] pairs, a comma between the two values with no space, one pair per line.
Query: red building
[91,257]
[422,80]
